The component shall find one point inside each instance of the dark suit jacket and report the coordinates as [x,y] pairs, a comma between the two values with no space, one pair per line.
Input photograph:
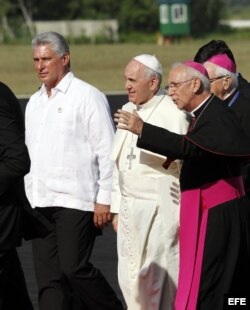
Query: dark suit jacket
[15,211]
[244,87]
[241,108]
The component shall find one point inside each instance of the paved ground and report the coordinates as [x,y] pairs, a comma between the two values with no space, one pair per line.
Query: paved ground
[104,257]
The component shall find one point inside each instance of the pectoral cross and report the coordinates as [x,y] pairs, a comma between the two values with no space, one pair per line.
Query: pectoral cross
[131,156]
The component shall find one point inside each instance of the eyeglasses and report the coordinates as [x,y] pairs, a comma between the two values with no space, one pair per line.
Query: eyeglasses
[176,85]
[216,78]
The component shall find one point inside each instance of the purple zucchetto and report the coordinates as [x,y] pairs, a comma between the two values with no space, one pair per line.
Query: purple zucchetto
[197,66]
[223,61]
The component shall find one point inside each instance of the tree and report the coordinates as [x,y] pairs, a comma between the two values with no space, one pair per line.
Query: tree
[205,15]
[5,6]
[140,15]
[27,16]
[75,9]
[133,16]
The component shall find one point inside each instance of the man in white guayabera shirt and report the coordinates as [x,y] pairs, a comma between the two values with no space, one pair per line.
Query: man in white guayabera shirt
[69,133]
[145,195]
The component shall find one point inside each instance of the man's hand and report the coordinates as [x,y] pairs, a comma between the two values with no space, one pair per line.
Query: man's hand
[115,222]
[129,121]
[102,215]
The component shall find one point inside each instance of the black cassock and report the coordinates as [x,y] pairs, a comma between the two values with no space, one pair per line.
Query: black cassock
[215,213]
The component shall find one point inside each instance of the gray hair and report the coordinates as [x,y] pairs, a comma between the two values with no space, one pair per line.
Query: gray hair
[149,73]
[192,73]
[54,39]
[204,80]
[219,71]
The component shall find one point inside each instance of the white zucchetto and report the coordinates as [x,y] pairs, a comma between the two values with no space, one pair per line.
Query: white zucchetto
[150,61]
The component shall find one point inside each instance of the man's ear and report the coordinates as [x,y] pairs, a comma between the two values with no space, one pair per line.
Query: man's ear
[154,83]
[196,85]
[66,59]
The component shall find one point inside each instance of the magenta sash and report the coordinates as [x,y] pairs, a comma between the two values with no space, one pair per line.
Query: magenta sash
[195,204]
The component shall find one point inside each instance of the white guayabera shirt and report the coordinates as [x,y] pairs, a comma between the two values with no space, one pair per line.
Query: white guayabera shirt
[69,136]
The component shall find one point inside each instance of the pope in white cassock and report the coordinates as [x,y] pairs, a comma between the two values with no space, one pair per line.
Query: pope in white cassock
[145,195]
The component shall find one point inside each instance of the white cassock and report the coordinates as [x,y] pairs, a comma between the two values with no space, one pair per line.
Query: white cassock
[146,196]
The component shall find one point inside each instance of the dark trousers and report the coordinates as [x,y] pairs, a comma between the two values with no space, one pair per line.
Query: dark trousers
[13,290]
[63,268]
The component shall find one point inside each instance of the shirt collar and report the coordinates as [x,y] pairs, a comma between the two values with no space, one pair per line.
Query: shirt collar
[230,93]
[62,86]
